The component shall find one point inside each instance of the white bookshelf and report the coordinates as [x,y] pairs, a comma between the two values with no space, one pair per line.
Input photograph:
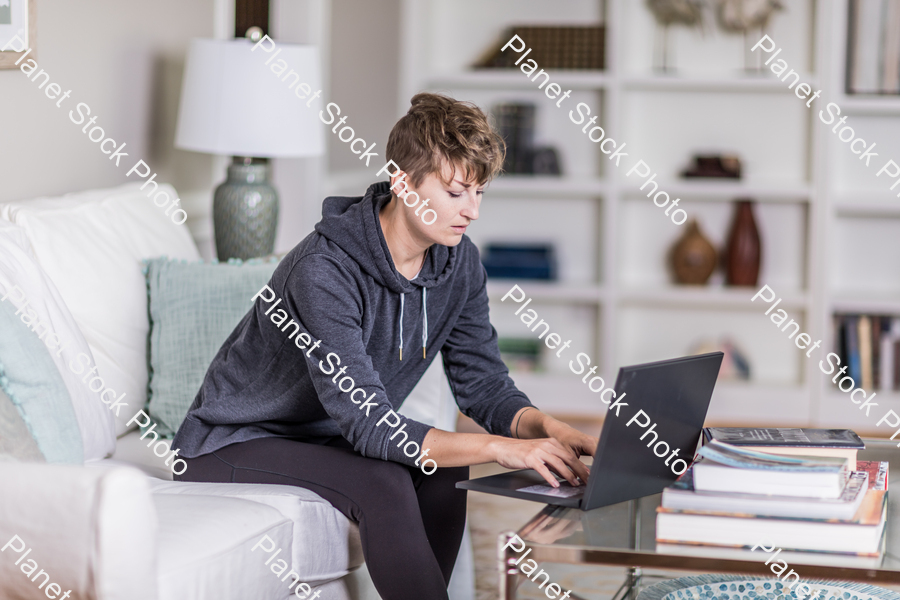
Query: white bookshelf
[831,230]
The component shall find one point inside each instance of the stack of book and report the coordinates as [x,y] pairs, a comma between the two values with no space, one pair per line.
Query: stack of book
[732,498]
[870,346]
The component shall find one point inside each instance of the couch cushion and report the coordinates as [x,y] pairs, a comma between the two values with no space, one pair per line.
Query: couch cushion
[23,281]
[206,548]
[193,309]
[16,439]
[326,544]
[93,531]
[91,245]
[29,378]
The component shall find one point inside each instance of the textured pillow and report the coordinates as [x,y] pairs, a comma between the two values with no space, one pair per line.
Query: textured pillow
[23,281]
[28,376]
[193,309]
[91,245]
[15,435]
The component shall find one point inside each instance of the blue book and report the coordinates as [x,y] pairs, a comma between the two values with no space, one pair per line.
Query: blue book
[852,332]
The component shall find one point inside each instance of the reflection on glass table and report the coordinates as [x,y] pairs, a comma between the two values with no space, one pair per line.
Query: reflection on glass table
[624,535]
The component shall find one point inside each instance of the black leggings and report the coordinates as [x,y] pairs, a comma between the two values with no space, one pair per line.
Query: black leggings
[410,524]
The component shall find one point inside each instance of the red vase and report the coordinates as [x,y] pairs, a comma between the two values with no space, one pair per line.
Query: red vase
[743,252]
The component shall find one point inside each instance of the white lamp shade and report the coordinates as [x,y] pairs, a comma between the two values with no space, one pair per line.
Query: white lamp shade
[233,103]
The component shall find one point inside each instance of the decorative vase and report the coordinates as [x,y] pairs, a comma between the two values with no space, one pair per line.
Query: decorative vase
[693,257]
[245,212]
[743,250]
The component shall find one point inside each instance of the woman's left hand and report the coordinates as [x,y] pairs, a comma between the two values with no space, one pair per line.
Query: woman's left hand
[578,442]
[532,423]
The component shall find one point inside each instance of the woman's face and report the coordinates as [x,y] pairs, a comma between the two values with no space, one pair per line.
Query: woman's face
[438,212]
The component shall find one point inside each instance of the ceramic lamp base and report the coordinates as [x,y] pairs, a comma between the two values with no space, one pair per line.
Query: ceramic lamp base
[245,212]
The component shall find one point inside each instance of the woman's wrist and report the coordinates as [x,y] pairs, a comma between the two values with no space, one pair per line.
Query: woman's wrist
[529,424]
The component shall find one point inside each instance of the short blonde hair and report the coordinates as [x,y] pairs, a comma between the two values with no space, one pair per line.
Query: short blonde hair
[437,128]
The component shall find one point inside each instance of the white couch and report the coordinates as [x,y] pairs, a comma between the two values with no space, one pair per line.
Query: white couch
[118,527]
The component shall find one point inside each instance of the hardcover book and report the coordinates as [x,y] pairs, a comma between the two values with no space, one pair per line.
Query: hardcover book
[681,495]
[700,532]
[726,468]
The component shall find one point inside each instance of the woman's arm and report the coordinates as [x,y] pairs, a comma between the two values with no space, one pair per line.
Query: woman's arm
[545,456]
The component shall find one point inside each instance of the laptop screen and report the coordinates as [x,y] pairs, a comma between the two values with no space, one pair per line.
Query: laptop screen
[652,428]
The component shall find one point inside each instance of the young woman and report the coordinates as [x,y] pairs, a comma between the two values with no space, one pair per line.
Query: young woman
[303,392]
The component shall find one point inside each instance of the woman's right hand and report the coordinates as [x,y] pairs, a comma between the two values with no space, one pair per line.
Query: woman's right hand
[542,455]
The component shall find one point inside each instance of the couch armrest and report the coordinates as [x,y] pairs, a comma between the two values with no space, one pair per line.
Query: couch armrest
[92,531]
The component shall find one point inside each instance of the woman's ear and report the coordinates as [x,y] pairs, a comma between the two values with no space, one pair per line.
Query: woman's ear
[399,184]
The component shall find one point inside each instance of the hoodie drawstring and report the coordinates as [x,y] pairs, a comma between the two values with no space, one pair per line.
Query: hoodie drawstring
[424,323]
[402,296]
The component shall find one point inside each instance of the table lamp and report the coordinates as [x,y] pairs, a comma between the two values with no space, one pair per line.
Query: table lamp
[233,103]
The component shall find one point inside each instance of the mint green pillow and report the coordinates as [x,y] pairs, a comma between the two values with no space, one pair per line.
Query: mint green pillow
[193,308]
[30,379]
[16,439]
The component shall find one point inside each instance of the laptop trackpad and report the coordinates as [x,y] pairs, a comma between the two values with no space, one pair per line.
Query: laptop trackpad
[565,490]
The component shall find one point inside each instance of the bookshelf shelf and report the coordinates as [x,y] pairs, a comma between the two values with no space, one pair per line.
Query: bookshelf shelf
[729,190]
[537,186]
[744,84]
[514,79]
[876,203]
[750,403]
[866,303]
[548,292]
[887,105]
[706,297]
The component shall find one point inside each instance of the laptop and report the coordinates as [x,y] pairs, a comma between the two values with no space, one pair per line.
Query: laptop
[674,394]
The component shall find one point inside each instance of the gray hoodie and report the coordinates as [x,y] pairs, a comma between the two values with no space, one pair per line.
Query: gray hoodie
[339,285]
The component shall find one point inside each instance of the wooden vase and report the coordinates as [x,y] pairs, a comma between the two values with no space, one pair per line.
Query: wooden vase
[743,251]
[693,257]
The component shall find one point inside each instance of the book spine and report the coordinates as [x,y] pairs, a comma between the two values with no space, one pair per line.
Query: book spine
[896,365]
[885,360]
[866,379]
[867,47]
[852,333]
[890,80]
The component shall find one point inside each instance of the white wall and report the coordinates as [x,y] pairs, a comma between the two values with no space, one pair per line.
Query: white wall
[365,52]
[125,60]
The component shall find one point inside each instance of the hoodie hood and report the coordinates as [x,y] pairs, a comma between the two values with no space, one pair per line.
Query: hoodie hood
[354,226]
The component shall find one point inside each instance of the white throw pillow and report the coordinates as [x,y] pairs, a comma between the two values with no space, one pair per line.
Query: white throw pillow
[91,245]
[19,269]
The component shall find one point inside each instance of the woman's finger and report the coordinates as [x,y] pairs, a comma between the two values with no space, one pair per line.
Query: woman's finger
[561,468]
[542,469]
[580,469]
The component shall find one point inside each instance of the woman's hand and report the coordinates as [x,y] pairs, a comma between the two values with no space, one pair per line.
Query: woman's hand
[530,423]
[542,455]
[577,442]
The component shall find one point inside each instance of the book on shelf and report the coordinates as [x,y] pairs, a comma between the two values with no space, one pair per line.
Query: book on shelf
[552,47]
[862,534]
[520,354]
[726,468]
[870,346]
[520,261]
[790,440]
[681,495]
[873,47]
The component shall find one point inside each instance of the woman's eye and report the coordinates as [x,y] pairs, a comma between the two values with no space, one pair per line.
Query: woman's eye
[453,195]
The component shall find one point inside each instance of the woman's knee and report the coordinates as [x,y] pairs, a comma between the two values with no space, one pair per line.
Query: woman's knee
[387,478]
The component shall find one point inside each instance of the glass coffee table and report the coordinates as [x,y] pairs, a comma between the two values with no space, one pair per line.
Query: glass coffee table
[624,535]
